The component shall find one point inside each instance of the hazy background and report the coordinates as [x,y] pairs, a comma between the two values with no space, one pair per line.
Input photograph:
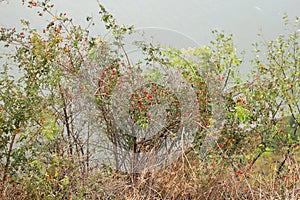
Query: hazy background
[193,18]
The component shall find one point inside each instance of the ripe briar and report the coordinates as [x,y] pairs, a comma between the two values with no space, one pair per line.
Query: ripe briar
[241,100]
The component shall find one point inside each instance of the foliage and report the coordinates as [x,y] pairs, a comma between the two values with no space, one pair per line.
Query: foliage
[56,114]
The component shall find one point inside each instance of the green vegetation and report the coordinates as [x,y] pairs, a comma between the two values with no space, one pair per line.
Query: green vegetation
[55,116]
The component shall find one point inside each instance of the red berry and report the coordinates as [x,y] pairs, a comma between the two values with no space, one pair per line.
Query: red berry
[278,144]
[221,78]
[240,172]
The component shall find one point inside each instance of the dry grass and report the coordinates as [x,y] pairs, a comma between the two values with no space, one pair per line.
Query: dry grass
[188,178]
[192,179]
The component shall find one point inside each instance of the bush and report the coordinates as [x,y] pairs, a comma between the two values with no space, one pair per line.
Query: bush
[61,116]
